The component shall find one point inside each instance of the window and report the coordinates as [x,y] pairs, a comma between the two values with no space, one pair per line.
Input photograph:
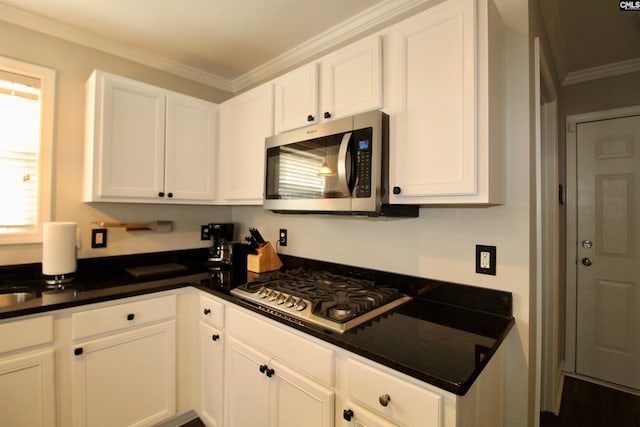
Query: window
[26,135]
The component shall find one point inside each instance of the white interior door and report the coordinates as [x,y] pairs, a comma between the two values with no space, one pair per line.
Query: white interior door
[608,251]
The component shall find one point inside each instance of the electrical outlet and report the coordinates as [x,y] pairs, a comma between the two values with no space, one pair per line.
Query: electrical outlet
[486,259]
[283,237]
[205,232]
[99,238]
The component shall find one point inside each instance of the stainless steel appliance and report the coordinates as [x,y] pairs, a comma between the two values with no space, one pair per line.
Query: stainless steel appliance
[221,248]
[320,298]
[338,167]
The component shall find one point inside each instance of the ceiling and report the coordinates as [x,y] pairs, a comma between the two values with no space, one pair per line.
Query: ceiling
[591,33]
[230,43]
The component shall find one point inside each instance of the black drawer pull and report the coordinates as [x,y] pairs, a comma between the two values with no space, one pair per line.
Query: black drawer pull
[78,351]
[160,194]
[131,316]
[327,115]
[347,414]
[397,190]
[263,369]
[207,311]
[310,118]
[215,337]
[270,372]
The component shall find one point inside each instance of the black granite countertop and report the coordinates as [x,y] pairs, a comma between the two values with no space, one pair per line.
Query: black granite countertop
[444,336]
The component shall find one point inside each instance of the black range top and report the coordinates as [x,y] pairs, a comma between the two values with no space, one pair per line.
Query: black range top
[320,298]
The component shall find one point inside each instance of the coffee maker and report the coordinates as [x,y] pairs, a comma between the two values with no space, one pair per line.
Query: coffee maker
[221,249]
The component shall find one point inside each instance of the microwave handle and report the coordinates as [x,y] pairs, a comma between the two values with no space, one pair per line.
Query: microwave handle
[343,179]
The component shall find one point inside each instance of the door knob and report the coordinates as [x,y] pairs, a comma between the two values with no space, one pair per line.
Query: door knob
[587,262]
[587,244]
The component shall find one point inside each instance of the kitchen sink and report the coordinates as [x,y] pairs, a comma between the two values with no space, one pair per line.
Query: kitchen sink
[12,296]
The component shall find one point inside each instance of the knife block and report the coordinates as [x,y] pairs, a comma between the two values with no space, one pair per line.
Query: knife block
[266,259]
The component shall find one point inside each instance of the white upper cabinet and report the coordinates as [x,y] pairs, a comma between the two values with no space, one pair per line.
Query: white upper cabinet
[245,121]
[190,148]
[352,79]
[146,144]
[444,71]
[296,98]
[343,83]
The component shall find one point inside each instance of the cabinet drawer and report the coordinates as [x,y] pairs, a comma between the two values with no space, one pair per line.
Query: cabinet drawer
[302,354]
[117,317]
[211,311]
[407,404]
[26,333]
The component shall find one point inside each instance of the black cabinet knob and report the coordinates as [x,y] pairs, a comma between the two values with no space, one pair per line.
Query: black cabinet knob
[327,115]
[170,195]
[397,190]
[215,337]
[207,311]
[263,368]
[131,316]
[160,193]
[347,414]
[270,372]
[78,351]
[310,118]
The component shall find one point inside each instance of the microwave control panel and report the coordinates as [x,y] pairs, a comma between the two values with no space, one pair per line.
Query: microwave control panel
[362,188]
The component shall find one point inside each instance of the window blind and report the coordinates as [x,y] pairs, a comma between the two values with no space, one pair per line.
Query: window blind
[19,144]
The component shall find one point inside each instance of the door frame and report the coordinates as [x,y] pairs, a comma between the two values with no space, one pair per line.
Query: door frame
[572,233]
[548,378]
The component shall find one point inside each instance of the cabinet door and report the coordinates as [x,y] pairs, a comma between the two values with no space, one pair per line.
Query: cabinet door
[190,149]
[355,415]
[296,98]
[246,387]
[130,139]
[245,121]
[27,390]
[295,398]
[351,79]
[211,375]
[433,61]
[125,379]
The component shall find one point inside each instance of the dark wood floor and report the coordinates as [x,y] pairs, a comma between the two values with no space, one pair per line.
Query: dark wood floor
[194,423]
[585,404]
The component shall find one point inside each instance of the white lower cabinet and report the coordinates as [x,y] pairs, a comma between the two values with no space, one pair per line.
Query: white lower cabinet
[354,415]
[125,379]
[389,396]
[27,389]
[126,374]
[210,407]
[261,391]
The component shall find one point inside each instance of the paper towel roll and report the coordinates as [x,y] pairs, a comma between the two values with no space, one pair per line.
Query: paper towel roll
[58,248]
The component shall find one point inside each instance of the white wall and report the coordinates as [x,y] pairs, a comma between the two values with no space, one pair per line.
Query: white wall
[73,65]
[440,244]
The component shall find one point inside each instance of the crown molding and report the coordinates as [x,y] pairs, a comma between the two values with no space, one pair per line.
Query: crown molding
[602,71]
[380,13]
[88,39]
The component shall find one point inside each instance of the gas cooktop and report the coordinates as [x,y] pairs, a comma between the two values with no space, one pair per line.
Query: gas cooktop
[320,298]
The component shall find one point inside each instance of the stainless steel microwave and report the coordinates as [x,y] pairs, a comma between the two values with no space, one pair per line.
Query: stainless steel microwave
[337,167]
